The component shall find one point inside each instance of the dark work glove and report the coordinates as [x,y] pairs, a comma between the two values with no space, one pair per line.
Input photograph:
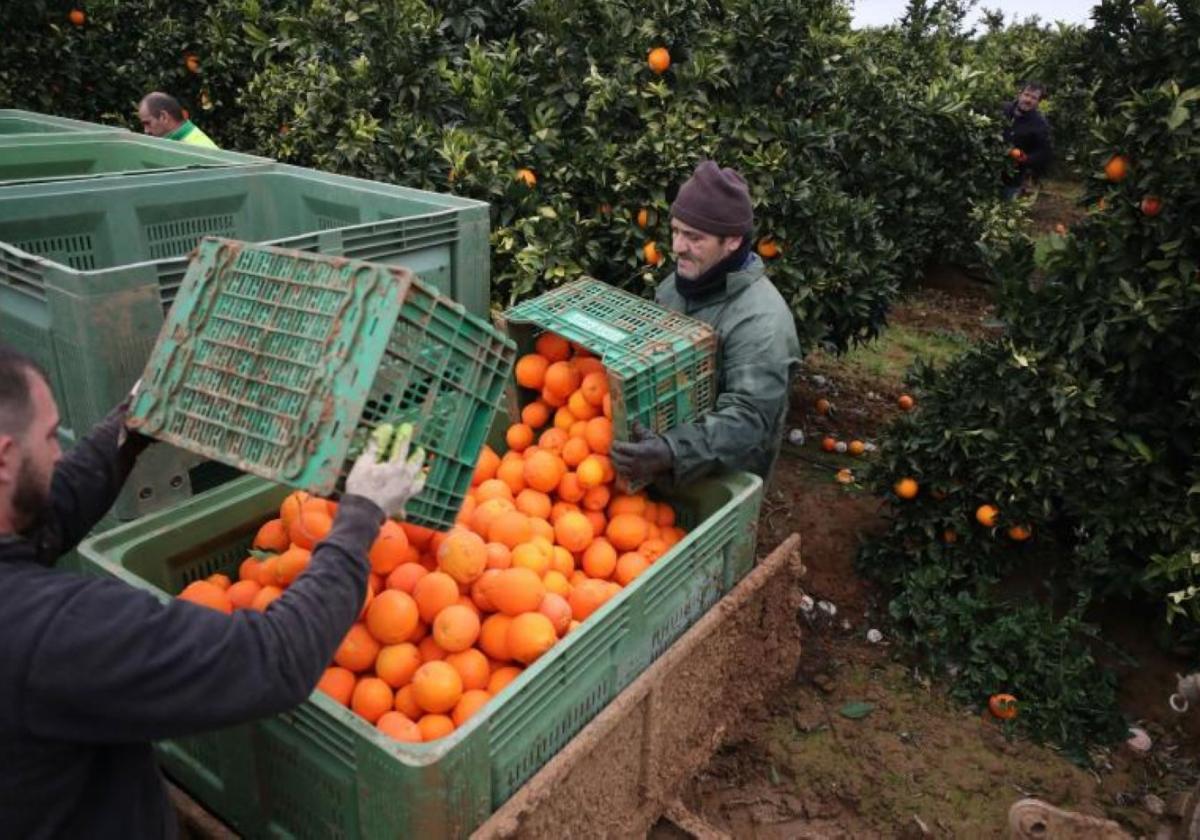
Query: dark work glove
[643,459]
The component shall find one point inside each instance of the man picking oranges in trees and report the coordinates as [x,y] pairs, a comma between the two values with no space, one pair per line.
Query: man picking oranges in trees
[1027,133]
[92,670]
[720,281]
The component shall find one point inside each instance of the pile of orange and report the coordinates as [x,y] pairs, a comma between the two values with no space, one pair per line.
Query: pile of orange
[543,540]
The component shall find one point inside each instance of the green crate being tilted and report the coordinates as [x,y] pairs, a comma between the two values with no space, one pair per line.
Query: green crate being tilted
[280,362]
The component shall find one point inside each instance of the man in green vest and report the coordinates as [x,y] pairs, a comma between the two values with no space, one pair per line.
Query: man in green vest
[162,116]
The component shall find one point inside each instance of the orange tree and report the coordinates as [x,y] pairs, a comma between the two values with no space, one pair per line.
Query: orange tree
[865,163]
[1079,424]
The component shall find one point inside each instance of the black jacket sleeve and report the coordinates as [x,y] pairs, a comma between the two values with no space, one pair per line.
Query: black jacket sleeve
[116,665]
[1037,146]
[86,483]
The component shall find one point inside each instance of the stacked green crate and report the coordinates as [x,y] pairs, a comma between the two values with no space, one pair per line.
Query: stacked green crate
[89,267]
[13,121]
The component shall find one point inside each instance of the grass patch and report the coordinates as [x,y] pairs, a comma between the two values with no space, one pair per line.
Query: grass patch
[891,355]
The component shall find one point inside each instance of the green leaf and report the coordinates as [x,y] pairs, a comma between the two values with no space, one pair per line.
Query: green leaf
[856,709]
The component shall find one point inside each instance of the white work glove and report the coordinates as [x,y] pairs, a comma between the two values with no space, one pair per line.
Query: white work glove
[389,483]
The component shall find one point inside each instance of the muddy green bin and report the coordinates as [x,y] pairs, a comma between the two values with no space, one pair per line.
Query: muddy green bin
[26,158]
[88,268]
[13,121]
[322,771]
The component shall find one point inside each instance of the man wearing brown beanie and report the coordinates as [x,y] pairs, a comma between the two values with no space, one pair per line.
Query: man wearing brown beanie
[718,280]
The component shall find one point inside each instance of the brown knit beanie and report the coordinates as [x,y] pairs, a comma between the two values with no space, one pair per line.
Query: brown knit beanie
[716,201]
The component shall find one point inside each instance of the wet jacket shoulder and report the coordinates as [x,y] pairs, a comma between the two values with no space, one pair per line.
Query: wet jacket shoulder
[756,357]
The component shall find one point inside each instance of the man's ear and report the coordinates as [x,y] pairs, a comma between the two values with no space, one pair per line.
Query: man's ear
[8,459]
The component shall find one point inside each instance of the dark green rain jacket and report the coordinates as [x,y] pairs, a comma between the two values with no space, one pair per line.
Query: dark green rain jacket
[757,354]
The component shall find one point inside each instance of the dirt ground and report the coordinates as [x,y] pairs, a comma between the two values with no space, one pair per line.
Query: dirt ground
[914,764]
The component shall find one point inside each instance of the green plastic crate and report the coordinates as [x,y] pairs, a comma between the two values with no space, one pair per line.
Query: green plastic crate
[88,269]
[661,364]
[280,363]
[13,121]
[321,771]
[33,158]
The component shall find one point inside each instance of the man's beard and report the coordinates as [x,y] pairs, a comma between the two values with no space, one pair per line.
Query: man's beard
[31,497]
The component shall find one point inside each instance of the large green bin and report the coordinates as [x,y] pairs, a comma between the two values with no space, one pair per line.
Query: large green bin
[88,268]
[13,121]
[28,158]
[322,771]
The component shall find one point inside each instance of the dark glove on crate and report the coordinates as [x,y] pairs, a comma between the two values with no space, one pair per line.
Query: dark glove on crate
[643,459]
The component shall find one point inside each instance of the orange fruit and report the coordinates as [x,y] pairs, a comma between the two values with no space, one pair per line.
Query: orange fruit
[433,593]
[659,60]
[634,504]
[526,177]
[829,443]
[405,576]
[535,415]
[418,536]
[471,702]
[406,704]
[472,666]
[515,591]
[598,519]
[653,548]
[529,636]
[241,594]
[310,527]
[437,687]
[487,513]
[574,451]
[767,248]
[555,607]
[564,420]
[594,386]
[553,441]
[535,556]
[533,503]
[626,531]
[220,581]
[986,515]
[562,562]
[396,664]
[498,557]
[372,697]
[248,569]
[600,559]
[463,554]
[543,471]
[906,488]
[856,447]
[1019,533]
[485,467]
[433,727]
[207,595]
[590,472]
[599,435]
[456,628]
[272,536]
[530,371]
[596,498]
[389,548]
[493,488]
[519,437]
[338,683]
[573,531]
[399,727]
[1117,168]
[493,637]
[650,253]
[289,509]
[392,616]
[512,473]
[607,406]
[542,528]
[560,508]
[643,218]
[629,566]
[949,536]
[502,677]
[587,597]
[510,529]
[579,407]
[569,489]
[666,515]
[77,17]
[554,347]
[265,597]
[430,650]
[561,379]
[905,402]
[358,650]
[556,583]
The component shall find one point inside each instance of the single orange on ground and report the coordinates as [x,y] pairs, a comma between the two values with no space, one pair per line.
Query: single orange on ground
[905,402]
[1003,706]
